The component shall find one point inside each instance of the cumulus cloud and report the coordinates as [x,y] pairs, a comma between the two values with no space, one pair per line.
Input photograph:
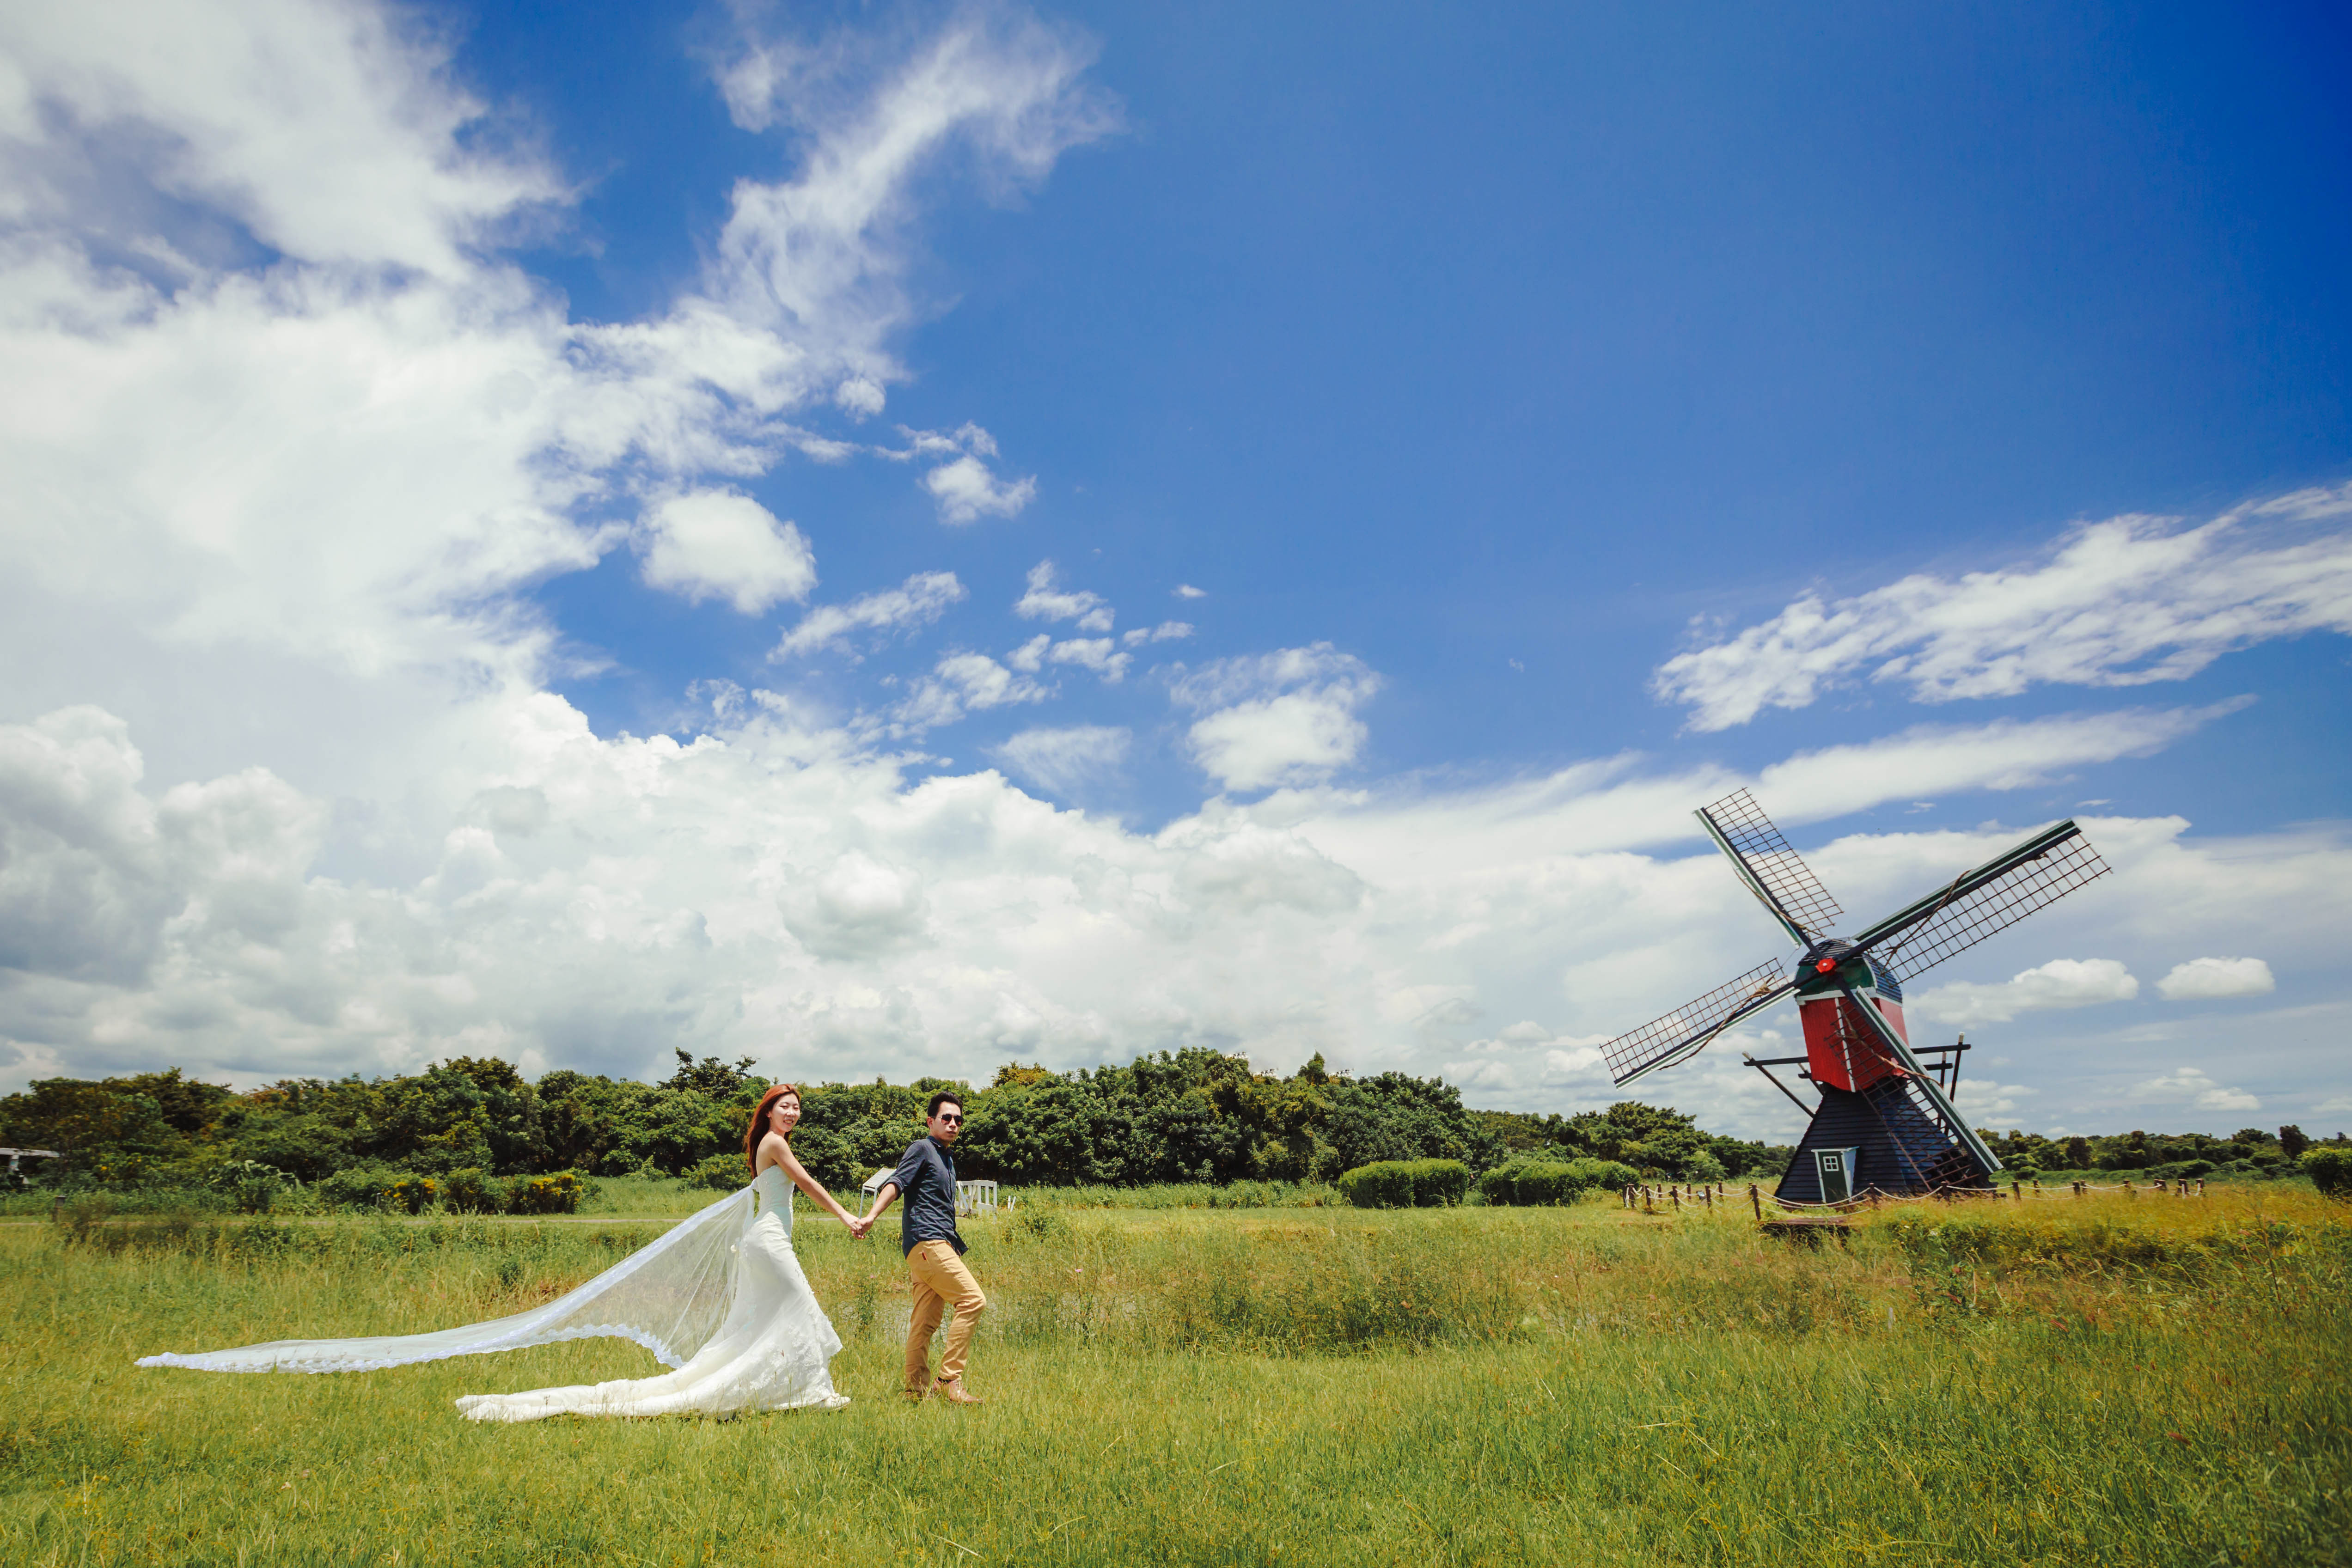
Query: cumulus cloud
[1047,600]
[1063,762]
[2216,979]
[2127,602]
[2060,983]
[2192,1085]
[959,683]
[1186,590]
[1100,654]
[917,602]
[718,544]
[276,395]
[1285,717]
[967,491]
[775,888]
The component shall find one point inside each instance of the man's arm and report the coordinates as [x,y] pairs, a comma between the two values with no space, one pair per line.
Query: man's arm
[882,1200]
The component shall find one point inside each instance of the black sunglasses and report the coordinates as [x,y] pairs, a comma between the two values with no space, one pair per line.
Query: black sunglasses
[955,1118]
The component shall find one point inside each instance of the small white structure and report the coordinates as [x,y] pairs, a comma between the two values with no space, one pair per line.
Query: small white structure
[972,1197]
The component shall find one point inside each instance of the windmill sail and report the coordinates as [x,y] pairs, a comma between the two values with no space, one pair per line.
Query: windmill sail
[1995,896]
[1682,1032]
[1774,873]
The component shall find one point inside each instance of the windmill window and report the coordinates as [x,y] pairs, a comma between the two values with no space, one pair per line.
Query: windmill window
[1835,1167]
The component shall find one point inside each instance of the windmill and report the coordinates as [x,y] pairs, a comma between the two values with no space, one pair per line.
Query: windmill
[1883,1123]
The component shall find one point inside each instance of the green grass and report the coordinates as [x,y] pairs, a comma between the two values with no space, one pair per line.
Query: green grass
[2078,1382]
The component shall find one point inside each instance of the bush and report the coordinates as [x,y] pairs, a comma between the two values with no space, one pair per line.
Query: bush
[356,1187]
[557,1194]
[467,1191]
[1439,1184]
[251,1186]
[1380,1184]
[719,1173]
[413,1193]
[2330,1170]
[1534,1181]
[1406,1184]
[2182,1170]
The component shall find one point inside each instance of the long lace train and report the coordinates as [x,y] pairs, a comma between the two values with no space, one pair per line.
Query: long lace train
[721,1297]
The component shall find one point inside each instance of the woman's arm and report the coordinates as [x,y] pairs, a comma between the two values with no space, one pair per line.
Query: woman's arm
[775,1151]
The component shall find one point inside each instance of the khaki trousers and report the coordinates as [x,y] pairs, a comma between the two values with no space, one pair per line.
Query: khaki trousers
[940,1279]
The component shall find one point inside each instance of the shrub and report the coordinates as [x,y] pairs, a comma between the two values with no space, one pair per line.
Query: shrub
[719,1173]
[557,1194]
[1534,1181]
[1380,1184]
[413,1193]
[1406,1184]
[251,1186]
[1439,1184]
[2330,1170]
[1535,1186]
[467,1191]
[356,1187]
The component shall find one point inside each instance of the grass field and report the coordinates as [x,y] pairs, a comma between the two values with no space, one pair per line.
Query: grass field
[2069,1381]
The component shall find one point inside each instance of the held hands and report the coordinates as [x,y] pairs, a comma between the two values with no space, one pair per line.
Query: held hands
[860,1224]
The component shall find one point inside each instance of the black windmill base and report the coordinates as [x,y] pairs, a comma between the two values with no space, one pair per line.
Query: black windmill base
[1896,1145]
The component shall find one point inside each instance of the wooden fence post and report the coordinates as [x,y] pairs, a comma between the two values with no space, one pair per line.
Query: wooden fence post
[1755,1203]
[2017,1192]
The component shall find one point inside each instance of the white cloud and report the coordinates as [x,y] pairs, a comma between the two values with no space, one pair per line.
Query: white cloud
[824,253]
[782,890]
[1064,761]
[2060,983]
[2123,602]
[2214,980]
[1285,717]
[330,132]
[1030,657]
[960,683]
[1186,590]
[717,544]
[917,602]
[2192,1084]
[966,491]
[1045,599]
[1096,654]
[1166,632]
[276,402]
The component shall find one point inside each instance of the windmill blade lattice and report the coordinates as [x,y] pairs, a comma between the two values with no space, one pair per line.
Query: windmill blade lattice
[1665,1040]
[1780,870]
[1973,913]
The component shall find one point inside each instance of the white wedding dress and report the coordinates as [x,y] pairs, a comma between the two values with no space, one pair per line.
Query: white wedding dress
[721,1297]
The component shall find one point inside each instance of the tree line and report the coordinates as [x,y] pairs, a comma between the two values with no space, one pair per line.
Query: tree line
[1191,1116]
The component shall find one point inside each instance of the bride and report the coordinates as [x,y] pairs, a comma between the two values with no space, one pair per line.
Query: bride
[719,1298]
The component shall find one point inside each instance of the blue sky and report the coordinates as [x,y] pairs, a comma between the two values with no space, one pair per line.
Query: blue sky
[1535,336]
[1455,440]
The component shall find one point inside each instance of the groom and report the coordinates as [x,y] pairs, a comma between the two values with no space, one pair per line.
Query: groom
[927,1234]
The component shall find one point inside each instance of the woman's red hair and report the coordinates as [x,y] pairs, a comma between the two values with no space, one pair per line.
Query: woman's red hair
[759,1127]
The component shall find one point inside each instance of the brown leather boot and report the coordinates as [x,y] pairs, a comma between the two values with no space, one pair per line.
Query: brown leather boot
[953,1391]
